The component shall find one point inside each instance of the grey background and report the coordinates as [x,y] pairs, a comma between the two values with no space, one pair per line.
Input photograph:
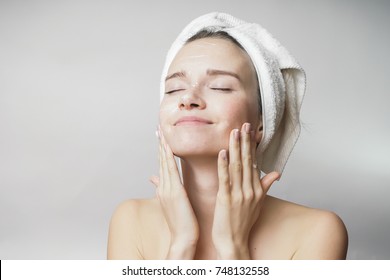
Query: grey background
[79,105]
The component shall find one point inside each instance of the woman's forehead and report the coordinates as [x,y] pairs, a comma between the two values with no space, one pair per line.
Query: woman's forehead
[211,48]
[215,53]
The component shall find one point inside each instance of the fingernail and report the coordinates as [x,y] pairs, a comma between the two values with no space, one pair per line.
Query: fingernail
[157,134]
[237,134]
[247,127]
[223,154]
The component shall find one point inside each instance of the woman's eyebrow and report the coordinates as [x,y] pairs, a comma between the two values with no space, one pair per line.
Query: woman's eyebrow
[180,74]
[209,72]
[215,72]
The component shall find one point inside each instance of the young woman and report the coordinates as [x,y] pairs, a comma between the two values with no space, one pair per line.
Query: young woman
[212,117]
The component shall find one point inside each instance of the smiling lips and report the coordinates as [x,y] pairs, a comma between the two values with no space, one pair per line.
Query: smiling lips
[192,121]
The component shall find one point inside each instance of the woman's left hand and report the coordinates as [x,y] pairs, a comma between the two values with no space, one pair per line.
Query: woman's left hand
[240,196]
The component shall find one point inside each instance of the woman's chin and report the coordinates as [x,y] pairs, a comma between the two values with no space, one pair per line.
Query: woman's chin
[194,151]
[195,145]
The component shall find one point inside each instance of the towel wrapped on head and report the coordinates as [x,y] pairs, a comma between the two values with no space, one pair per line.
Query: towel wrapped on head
[282,83]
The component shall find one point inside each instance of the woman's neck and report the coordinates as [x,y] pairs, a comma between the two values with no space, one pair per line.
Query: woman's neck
[200,179]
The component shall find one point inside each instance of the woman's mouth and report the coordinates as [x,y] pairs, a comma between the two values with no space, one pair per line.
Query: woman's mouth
[191,120]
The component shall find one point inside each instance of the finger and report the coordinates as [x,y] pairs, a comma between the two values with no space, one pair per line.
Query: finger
[170,165]
[253,150]
[155,180]
[246,158]
[223,173]
[235,165]
[163,165]
[268,180]
[160,160]
[255,168]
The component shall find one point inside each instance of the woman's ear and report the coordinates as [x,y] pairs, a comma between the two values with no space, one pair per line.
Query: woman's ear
[259,132]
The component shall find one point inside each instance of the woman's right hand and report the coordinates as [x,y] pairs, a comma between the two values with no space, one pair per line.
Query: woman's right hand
[176,206]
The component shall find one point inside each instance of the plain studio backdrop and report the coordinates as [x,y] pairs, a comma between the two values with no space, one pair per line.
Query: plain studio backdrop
[79,101]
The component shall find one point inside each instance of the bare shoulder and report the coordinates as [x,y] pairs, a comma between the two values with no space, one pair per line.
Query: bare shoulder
[319,234]
[134,208]
[126,228]
[326,237]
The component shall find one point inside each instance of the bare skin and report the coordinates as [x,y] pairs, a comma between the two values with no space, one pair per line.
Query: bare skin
[209,118]
[284,231]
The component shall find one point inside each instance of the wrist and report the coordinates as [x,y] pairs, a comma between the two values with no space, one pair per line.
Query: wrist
[183,249]
[233,251]
[184,241]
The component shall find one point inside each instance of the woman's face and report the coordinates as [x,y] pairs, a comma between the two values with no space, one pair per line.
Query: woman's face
[210,89]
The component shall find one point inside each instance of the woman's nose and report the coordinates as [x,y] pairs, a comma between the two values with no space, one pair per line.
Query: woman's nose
[192,99]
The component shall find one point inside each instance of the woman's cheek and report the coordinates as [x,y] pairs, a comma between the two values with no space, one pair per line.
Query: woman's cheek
[236,114]
[167,111]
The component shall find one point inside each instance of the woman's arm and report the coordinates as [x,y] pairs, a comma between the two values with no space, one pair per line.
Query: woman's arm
[124,232]
[240,196]
[176,206]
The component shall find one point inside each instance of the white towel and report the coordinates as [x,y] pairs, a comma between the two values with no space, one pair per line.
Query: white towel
[282,83]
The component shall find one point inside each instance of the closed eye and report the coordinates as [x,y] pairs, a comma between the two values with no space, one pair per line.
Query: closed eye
[173,90]
[222,89]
